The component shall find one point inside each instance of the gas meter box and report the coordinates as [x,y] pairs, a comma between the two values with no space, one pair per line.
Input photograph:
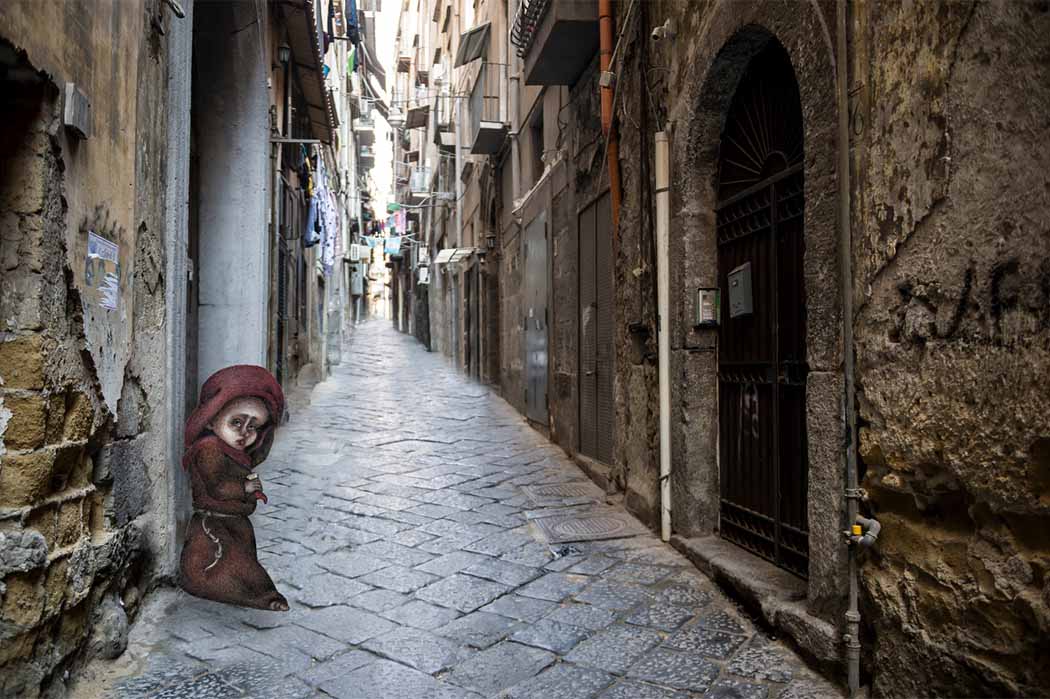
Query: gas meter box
[739,281]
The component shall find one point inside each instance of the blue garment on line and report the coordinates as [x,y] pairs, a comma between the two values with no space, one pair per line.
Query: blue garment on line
[311,237]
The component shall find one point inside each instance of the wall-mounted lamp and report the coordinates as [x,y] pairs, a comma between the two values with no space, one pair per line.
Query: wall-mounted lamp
[395,118]
[284,54]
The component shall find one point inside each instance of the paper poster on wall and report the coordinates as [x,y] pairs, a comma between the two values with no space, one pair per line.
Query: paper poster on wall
[102,270]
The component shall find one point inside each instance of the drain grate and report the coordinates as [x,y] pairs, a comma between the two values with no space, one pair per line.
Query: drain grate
[591,526]
[573,493]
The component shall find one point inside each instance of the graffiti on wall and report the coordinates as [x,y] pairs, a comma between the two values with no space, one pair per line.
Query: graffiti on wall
[1005,305]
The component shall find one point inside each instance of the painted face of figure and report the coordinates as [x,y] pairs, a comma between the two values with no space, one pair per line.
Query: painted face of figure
[239,422]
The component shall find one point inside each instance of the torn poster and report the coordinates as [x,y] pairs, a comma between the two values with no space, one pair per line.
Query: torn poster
[102,270]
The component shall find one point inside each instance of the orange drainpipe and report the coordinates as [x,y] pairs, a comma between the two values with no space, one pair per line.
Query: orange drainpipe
[605,31]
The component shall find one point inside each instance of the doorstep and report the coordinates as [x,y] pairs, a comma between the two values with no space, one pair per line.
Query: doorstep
[598,472]
[777,596]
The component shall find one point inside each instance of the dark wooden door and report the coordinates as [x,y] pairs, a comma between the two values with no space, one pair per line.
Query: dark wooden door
[762,366]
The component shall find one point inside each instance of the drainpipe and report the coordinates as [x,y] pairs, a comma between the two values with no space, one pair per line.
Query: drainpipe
[605,29]
[663,224]
[852,636]
[514,76]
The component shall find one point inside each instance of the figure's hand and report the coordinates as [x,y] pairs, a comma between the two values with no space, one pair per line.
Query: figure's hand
[253,486]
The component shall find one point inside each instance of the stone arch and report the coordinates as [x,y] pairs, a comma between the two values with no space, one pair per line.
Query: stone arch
[732,34]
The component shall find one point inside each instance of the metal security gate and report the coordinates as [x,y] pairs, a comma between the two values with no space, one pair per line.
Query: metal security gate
[535,320]
[762,347]
[597,415]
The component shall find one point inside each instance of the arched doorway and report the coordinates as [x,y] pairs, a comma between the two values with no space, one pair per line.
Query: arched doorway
[762,365]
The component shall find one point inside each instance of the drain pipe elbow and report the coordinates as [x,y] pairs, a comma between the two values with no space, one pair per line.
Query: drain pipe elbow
[871,528]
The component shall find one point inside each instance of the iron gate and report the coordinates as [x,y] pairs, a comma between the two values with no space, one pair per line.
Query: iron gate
[762,366]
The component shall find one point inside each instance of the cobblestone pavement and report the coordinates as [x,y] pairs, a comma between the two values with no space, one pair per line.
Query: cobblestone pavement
[399,530]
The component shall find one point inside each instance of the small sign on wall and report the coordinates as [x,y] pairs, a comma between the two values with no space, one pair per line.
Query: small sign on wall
[102,271]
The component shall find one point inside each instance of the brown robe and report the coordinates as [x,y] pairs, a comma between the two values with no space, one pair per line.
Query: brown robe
[219,557]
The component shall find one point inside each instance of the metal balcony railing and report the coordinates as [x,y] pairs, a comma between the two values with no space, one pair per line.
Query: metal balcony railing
[528,18]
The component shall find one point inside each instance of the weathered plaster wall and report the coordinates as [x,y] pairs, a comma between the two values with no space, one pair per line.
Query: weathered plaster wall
[83,478]
[952,242]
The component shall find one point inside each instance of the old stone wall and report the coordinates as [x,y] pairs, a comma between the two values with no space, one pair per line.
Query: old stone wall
[83,487]
[636,387]
[952,254]
[511,282]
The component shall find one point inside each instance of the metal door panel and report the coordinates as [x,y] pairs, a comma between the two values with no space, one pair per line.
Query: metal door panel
[535,320]
[588,337]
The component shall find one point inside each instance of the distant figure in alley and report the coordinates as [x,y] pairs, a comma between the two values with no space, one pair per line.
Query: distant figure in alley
[227,436]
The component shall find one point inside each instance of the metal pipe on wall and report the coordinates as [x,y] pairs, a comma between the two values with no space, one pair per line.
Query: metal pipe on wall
[514,75]
[852,636]
[663,225]
[612,146]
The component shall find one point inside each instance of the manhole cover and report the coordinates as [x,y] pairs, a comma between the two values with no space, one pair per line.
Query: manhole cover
[573,493]
[611,524]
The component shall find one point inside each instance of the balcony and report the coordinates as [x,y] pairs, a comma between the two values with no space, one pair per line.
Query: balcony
[419,184]
[366,156]
[488,112]
[444,138]
[404,60]
[365,138]
[364,131]
[557,39]
[423,66]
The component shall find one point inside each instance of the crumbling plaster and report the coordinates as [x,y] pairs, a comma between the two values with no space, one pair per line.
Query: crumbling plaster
[952,239]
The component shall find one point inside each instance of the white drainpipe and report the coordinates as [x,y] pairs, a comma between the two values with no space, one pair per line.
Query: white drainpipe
[663,289]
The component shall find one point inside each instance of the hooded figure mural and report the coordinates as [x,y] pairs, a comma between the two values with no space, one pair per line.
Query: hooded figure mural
[227,436]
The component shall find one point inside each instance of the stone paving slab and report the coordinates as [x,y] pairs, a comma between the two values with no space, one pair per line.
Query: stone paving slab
[404,535]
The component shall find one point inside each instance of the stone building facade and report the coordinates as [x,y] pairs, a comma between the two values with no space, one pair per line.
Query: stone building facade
[85,492]
[136,258]
[945,122]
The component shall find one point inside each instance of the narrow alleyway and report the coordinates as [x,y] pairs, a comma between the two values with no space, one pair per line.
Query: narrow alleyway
[401,528]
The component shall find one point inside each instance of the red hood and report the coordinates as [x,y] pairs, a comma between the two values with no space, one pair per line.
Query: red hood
[225,385]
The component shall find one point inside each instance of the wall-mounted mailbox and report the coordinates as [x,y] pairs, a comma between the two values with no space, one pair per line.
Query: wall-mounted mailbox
[708,302]
[739,281]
